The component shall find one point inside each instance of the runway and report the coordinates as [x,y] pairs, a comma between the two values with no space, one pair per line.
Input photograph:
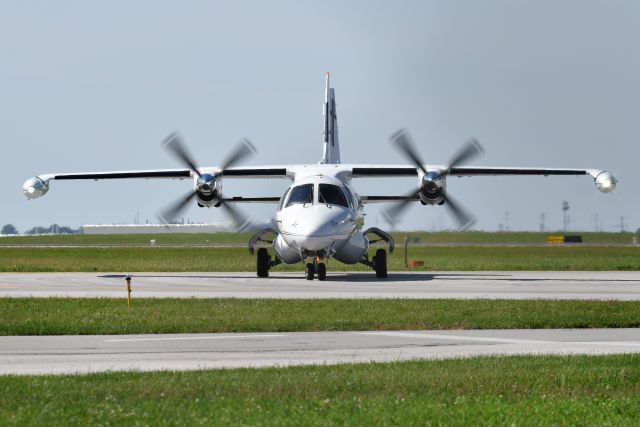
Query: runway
[601,285]
[34,355]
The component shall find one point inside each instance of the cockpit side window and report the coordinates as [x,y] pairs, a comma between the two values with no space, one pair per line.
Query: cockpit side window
[302,194]
[331,195]
[283,198]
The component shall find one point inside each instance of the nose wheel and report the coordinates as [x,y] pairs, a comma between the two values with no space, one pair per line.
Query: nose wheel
[322,271]
[311,269]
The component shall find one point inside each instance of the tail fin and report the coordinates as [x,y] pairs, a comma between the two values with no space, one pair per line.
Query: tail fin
[330,149]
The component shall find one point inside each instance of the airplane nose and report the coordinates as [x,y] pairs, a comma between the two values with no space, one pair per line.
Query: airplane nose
[315,227]
[318,221]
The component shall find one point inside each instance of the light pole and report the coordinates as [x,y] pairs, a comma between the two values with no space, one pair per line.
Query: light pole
[565,208]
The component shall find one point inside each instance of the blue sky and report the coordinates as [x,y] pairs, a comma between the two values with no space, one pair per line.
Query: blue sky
[88,85]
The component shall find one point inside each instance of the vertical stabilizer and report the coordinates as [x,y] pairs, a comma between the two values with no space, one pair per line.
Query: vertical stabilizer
[330,147]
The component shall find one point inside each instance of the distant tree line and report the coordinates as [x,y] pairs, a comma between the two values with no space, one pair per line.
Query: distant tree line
[9,229]
[52,229]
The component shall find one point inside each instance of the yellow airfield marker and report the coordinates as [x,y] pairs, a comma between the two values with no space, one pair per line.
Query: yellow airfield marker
[128,279]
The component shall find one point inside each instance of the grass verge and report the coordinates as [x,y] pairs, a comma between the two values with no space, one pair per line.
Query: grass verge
[238,259]
[577,390]
[70,316]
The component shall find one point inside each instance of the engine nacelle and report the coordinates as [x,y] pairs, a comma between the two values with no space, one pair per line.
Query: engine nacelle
[432,188]
[34,188]
[605,182]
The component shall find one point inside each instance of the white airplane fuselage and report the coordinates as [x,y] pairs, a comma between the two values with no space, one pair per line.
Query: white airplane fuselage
[320,215]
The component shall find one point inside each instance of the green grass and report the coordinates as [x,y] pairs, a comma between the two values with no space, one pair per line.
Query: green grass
[475,237]
[71,316]
[127,239]
[577,390]
[515,237]
[467,258]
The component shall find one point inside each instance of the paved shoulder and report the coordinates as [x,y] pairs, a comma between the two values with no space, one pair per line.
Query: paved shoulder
[606,285]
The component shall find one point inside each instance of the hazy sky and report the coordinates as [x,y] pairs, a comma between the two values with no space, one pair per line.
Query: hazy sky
[93,85]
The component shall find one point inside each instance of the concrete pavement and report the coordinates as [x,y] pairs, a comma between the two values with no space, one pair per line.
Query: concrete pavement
[84,354]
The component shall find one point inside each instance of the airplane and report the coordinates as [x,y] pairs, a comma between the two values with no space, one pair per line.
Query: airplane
[320,215]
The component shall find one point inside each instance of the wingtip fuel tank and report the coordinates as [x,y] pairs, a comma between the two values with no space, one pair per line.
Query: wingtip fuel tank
[605,182]
[35,187]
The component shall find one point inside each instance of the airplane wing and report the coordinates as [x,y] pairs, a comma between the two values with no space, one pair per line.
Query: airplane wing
[387,171]
[604,181]
[385,199]
[496,171]
[39,185]
[244,172]
[240,199]
[382,171]
[146,174]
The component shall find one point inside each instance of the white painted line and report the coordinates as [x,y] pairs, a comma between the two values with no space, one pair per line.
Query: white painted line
[197,338]
[461,338]
[502,340]
[611,343]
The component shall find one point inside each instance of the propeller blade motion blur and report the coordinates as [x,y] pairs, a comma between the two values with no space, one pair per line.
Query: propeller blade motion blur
[241,151]
[393,212]
[432,189]
[240,220]
[468,151]
[463,217]
[169,214]
[403,142]
[176,145]
[206,187]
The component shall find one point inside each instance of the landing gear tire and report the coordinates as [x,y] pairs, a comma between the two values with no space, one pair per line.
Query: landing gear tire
[263,261]
[322,271]
[380,263]
[309,271]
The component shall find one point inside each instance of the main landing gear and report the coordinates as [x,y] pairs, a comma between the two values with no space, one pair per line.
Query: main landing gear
[264,262]
[379,261]
[263,259]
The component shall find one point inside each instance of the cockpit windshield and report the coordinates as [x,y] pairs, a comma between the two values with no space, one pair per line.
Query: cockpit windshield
[331,195]
[302,194]
[283,198]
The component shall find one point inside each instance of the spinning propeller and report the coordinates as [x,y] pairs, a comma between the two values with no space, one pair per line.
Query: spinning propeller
[432,187]
[205,185]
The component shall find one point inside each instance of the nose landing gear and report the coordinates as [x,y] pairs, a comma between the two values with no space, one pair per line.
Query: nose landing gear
[309,271]
[322,271]
[316,267]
